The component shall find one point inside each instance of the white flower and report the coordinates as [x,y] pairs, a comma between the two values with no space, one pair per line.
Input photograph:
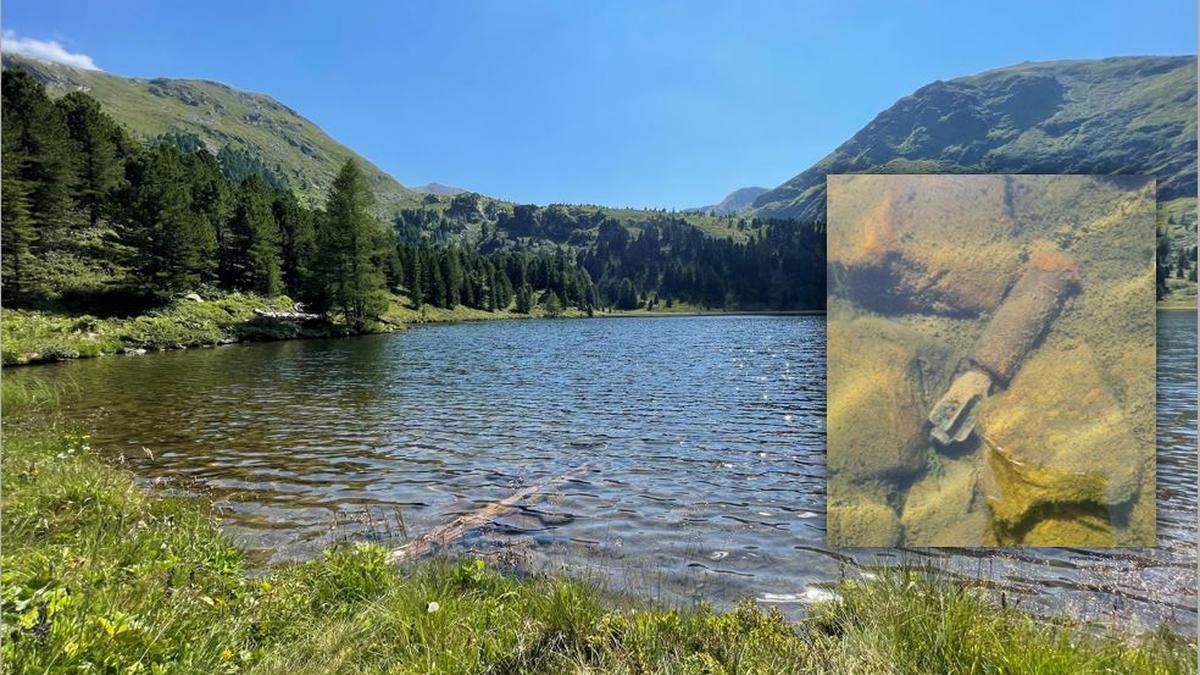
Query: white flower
[432,607]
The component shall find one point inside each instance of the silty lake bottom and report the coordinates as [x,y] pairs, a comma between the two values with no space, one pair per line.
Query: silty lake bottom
[703,438]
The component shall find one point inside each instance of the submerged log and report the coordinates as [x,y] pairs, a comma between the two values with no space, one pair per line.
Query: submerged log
[462,525]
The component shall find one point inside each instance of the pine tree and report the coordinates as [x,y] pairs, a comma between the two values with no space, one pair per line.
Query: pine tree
[256,239]
[452,273]
[551,304]
[627,295]
[349,281]
[35,133]
[416,276]
[97,143]
[298,242]
[17,237]
[524,299]
[438,296]
[493,292]
[213,201]
[173,246]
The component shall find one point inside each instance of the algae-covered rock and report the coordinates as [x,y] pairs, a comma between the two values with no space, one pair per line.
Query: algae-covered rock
[1063,444]
[877,400]
[1079,529]
[934,246]
[860,522]
[946,507]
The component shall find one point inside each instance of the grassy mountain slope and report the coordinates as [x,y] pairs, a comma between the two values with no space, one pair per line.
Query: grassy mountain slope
[287,143]
[1118,115]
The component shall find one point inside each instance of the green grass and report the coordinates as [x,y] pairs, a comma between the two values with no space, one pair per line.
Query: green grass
[34,336]
[400,311]
[103,574]
[31,336]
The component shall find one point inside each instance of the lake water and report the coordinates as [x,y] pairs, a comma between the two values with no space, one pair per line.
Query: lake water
[703,440]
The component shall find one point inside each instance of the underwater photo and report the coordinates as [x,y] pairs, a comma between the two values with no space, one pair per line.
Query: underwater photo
[991,360]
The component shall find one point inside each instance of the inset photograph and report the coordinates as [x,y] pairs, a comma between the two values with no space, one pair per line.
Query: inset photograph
[991,360]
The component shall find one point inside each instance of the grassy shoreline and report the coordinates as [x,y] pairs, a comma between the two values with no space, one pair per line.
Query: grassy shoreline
[34,336]
[101,572]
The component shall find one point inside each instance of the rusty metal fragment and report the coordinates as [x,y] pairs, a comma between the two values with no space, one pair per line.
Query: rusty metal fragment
[1020,321]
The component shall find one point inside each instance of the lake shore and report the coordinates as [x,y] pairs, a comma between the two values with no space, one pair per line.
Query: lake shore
[34,336]
[103,572]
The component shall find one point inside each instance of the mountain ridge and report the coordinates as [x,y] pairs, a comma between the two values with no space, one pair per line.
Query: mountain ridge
[1132,114]
[221,116]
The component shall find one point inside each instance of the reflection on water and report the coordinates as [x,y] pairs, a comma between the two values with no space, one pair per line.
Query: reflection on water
[704,436]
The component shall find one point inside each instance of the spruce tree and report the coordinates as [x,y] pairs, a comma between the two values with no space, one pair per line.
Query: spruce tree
[415,284]
[97,143]
[173,246]
[298,242]
[349,277]
[213,202]
[35,132]
[256,240]
[524,299]
[17,237]
[452,274]
[551,304]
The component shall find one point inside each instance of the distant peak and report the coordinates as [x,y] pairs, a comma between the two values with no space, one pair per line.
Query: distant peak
[736,201]
[440,190]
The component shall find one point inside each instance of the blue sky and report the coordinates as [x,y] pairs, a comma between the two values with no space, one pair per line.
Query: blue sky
[666,104]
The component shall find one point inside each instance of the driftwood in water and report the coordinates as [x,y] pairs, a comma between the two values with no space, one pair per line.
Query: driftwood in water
[460,526]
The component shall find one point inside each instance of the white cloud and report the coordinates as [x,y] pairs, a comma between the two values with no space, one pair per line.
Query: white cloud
[45,51]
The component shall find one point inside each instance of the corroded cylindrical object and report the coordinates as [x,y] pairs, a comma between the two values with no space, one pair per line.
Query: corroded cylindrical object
[1027,310]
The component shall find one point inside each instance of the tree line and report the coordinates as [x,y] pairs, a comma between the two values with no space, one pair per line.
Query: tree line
[90,212]
[655,258]
[93,216]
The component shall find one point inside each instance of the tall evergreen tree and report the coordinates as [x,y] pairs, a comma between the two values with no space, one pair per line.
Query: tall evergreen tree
[98,144]
[524,299]
[35,133]
[213,201]
[348,279]
[258,266]
[298,239]
[174,247]
[452,274]
[18,234]
[416,277]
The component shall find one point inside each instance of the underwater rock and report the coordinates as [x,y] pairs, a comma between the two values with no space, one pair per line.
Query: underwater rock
[909,253]
[861,522]
[1058,445]
[875,401]
[1079,529]
[1042,284]
[946,507]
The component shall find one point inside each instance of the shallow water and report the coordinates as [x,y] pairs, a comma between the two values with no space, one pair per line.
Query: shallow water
[703,439]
